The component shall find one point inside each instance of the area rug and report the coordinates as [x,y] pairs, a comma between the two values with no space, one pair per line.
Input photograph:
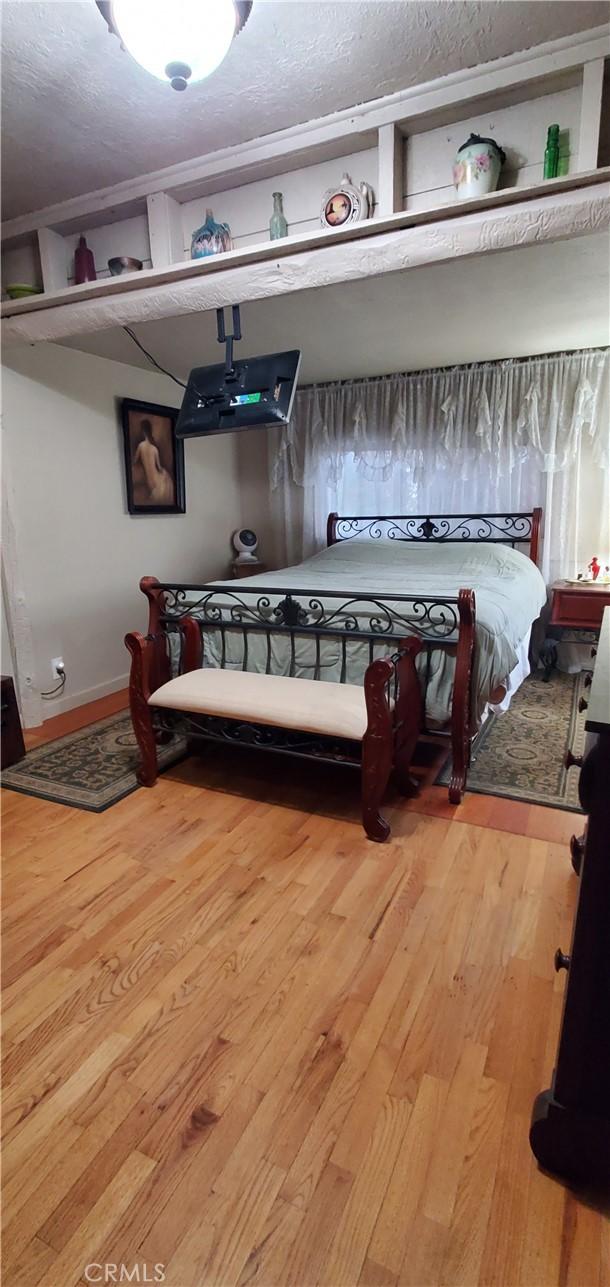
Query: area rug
[90,769]
[520,754]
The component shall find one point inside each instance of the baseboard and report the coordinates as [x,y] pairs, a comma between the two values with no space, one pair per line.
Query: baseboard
[59,705]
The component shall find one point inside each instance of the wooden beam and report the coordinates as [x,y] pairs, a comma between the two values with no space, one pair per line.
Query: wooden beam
[53,260]
[590,114]
[317,239]
[165,230]
[552,211]
[390,170]
[18,622]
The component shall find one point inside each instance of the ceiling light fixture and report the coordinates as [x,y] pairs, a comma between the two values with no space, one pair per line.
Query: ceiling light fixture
[179,41]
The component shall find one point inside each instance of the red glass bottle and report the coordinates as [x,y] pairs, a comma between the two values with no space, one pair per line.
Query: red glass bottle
[84,264]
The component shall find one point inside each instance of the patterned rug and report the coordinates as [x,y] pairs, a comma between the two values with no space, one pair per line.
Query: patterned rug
[91,769]
[520,754]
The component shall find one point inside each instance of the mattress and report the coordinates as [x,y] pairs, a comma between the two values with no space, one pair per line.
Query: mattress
[509,592]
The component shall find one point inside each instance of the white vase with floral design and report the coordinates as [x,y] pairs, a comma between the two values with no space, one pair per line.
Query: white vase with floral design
[477,167]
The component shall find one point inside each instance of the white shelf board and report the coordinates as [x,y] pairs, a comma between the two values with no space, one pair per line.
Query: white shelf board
[129,284]
[559,210]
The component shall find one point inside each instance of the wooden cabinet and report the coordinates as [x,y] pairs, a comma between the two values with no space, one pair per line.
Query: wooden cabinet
[12,747]
[570,1130]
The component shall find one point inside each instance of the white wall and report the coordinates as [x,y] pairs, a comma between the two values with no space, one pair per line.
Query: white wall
[80,553]
[6,653]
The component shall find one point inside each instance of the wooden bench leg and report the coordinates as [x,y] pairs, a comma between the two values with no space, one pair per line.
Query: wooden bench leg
[141,715]
[376,769]
[377,748]
[144,730]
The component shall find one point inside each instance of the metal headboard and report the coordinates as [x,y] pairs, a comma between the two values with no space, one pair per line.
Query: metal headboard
[502,529]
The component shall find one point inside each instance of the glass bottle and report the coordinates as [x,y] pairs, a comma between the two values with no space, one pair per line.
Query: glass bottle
[551,154]
[84,264]
[278,226]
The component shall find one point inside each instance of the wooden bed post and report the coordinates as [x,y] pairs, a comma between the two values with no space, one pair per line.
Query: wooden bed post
[408,714]
[377,747]
[160,667]
[192,645]
[535,537]
[461,713]
[331,527]
[142,655]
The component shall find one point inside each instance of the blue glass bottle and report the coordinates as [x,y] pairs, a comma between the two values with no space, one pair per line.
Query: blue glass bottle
[211,238]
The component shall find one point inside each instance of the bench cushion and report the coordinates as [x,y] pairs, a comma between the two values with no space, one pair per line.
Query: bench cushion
[313,705]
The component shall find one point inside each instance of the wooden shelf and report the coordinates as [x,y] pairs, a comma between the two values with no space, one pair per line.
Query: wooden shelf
[403,145]
[527,74]
[130,283]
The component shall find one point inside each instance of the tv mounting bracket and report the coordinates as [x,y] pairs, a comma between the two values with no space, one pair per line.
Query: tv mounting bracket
[228,340]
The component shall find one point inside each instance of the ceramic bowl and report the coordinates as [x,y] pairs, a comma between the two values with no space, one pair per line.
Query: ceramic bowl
[123,264]
[19,291]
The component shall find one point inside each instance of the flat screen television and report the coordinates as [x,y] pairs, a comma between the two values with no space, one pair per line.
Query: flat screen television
[247,393]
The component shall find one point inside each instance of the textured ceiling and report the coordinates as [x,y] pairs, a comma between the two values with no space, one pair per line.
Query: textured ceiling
[511,304]
[79,114]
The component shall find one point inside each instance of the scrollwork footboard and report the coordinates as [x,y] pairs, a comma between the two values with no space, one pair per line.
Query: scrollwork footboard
[262,628]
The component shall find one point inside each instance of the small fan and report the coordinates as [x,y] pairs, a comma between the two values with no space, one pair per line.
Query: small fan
[245,541]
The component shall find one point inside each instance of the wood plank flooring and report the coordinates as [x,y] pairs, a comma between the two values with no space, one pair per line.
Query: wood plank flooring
[245,1044]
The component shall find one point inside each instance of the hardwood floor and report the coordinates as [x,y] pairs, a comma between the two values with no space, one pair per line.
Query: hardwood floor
[247,1045]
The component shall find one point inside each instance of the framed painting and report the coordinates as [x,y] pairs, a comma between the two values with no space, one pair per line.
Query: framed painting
[154,460]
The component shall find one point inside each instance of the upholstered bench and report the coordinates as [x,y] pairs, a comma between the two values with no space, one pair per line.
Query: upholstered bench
[375,726]
[313,705]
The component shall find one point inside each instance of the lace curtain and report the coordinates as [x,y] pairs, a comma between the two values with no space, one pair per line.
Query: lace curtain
[488,437]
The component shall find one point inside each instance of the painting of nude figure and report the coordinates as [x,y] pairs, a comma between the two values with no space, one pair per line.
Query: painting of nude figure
[154,460]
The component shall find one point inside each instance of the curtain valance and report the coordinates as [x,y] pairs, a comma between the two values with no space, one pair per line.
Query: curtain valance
[510,413]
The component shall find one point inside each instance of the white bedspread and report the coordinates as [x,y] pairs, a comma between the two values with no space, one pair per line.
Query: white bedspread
[509,592]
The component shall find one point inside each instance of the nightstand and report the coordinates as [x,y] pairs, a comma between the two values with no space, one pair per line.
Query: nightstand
[573,607]
[248,569]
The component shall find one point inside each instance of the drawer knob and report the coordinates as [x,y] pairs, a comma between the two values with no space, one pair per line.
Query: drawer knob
[583,704]
[562,962]
[588,681]
[594,652]
[572,761]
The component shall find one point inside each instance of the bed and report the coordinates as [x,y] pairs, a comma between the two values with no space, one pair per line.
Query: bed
[459,582]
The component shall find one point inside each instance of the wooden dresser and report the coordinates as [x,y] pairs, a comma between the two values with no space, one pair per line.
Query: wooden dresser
[570,1130]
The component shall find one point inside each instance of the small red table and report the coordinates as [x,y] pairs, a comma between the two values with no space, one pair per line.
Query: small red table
[579,607]
[573,607]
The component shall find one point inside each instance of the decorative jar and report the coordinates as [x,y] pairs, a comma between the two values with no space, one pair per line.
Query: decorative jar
[477,167]
[211,238]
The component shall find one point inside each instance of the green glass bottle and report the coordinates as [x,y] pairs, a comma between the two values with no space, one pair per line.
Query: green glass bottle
[551,153]
[278,226]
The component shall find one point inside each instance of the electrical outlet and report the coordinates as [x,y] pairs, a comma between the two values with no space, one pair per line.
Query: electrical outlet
[57,668]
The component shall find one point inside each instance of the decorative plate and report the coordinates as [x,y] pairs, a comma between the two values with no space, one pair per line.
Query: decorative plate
[601,580]
[346,204]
